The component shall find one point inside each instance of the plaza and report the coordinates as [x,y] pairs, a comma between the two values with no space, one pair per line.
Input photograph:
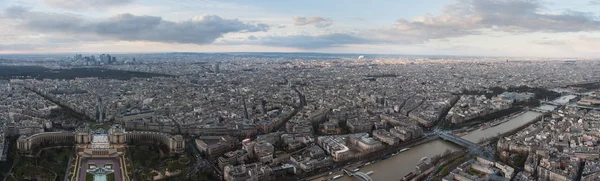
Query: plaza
[100,169]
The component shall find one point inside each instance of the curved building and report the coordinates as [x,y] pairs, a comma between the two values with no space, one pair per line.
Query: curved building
[175,143]
[28,143]
[116,135]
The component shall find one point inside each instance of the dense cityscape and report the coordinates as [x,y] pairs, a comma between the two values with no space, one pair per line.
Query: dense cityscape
[298,116]
[310,90]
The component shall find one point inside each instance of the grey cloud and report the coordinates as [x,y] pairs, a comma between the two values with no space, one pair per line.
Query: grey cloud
[313,42]
[318,22]
[468,17]
[199,30]
[595,2]
[460,18]
[86,4]
[525,15]
[14,12]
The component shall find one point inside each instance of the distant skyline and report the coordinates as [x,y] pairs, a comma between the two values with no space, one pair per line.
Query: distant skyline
[512,28]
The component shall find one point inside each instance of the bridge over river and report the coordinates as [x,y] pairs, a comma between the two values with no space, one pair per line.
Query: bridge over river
[472,147]
[358,175]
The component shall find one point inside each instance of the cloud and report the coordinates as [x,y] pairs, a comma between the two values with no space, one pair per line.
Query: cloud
[526,15]
[595,2]
[198,30]
[457,19]
[318,22]
[86,4]
[470,17]
[313,42]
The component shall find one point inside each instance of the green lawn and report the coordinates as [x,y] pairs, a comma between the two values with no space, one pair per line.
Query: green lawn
[89,177]
[146,158]
[96,126]
[51,163]
[110,177]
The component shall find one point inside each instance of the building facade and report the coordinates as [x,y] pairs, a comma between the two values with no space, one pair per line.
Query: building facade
[116,135]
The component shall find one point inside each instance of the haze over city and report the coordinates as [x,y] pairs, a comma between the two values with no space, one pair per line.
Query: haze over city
[514,28]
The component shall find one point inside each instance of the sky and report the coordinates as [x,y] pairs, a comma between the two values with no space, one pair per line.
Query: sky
[507,28]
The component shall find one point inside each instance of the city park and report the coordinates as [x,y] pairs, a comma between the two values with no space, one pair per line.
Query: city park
[100,152]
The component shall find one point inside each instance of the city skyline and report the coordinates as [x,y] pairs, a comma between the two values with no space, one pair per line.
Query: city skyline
[511,28]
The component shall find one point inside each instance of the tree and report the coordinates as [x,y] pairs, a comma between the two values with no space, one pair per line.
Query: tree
[444,171]
[520,161]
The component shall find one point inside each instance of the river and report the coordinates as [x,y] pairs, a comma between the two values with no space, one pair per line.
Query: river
[518,121]
[396,167]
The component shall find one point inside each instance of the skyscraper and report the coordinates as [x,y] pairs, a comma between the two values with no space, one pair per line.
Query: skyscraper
[78,57]
[108,59]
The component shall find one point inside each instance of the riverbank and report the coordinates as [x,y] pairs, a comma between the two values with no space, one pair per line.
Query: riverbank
[398,166]
[375,159]
[441,165]
[516,122]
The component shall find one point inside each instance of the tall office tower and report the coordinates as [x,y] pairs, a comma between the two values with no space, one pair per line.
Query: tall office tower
[78,57]
[108,59]
[100,111]
[114,60]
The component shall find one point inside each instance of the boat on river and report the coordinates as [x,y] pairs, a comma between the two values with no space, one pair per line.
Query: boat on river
[337,176]
[404,149]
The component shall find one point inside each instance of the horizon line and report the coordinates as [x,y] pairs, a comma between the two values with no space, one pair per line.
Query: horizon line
[330,53]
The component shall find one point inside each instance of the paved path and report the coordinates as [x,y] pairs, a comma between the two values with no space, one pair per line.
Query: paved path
[100,162]
[69,166]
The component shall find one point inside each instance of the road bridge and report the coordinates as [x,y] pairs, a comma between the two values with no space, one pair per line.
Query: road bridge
[551,103]
[362,176]
[472,147]
[358,175]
